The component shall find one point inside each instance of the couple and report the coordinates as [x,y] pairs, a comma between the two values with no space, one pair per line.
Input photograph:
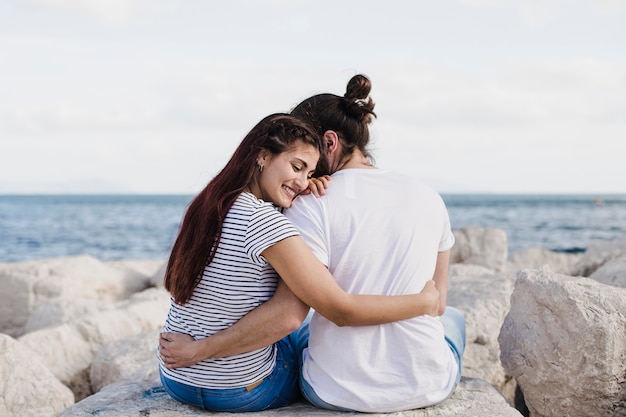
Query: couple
[240,336]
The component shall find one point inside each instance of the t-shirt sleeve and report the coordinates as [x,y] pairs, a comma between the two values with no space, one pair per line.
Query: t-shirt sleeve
[267,227]
[447,237]
[307,214]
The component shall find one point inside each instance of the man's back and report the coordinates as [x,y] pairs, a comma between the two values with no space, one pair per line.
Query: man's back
[379,233]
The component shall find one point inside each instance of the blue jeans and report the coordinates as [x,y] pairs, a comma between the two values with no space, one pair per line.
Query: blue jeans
[454,331]
[279,389]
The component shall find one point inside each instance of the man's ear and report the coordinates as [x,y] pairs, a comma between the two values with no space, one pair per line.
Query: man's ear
[331,141]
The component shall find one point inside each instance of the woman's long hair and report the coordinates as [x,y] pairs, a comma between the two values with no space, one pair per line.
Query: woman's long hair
[200,231]
[348,116]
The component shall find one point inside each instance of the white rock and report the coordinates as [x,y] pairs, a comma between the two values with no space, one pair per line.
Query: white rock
[27,283]
[562,263]
[69,349]
[27,387]
[486,247]
[612,272]
[157,278]
[62,310]
[129,359]
[472,398]
[484,298]
[597,254]
[144,267]
[564,341]
[601,248]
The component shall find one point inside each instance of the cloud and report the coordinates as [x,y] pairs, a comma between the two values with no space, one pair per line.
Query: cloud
[59,117]
[117,11]
[538,13]
[608,6]
[514,94]
[172,89]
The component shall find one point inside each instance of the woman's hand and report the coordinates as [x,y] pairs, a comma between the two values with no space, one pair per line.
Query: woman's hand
[178,350]
[430,298]
[317,186]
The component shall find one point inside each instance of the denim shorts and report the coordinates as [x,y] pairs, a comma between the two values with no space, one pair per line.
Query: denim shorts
[279,389]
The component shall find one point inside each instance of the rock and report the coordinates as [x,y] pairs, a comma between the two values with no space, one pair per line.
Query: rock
[27,283]
[27,387]
[597,254]
[157,278]
[484,298]
[105,344]
[472,398]
[65,352]
[612,272]
[536,258]
[602,248]
[564,341]
[133,358]
[144,267]
[130,359]
[69,349]
[486,247]
[62,310]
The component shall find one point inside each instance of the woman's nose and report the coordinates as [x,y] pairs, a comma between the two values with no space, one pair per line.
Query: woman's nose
[302,182]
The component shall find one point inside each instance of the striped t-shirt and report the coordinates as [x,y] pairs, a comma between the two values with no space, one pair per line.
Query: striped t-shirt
[237,281]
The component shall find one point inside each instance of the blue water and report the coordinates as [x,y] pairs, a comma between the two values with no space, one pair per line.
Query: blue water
[563,223]
[104,226]
[144,227]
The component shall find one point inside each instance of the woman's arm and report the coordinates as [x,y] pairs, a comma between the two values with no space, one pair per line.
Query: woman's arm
[266,324]
[311,282]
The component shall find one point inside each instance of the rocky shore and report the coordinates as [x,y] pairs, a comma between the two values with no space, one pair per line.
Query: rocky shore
[546,335]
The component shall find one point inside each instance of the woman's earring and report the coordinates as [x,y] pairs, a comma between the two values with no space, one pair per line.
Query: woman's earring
[258,164]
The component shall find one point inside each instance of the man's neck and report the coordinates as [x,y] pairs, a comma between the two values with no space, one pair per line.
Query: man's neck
[356,160]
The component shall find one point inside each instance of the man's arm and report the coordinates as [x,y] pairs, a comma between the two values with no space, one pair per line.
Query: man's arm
[263,326]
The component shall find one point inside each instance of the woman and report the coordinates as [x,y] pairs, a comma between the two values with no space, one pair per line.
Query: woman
[224,265]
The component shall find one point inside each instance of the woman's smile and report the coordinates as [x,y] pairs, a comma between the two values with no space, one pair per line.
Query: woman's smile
[283,176]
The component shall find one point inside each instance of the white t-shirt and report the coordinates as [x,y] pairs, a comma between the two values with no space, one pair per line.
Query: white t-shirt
[237,281]
[379,233]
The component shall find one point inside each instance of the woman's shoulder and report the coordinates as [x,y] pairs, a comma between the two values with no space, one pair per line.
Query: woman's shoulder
[248,201]
[247,204]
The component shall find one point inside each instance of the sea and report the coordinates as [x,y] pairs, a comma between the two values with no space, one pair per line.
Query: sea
[115,227]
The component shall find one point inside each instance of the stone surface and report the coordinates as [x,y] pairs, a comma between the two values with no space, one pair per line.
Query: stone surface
[612,272]
[472,398]
[69,349]
[62,310]
[484,298]
[156,280]
[130,359]
[486,247]
[144,267]
[597,254]
[564,341]
[563,263]
[27,283]
[27,387]
[97,337]
[121,364]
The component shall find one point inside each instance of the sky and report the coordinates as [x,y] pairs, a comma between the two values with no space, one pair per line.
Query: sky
[153,96]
